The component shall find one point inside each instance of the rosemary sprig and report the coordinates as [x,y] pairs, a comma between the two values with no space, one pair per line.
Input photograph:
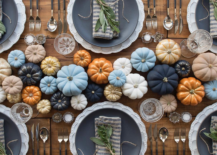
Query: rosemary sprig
[2,149]
[212,135]
[214,2]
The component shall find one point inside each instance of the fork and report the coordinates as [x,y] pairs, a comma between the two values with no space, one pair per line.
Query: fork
[37,20]
[148,18]
[176,138]
[31,19]
[60,139]
[183,139]
[66,138]
[154,18]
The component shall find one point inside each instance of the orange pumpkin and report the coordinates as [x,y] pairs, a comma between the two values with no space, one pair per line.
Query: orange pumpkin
[82,58]
[190,91]
[99,70]
[31,95]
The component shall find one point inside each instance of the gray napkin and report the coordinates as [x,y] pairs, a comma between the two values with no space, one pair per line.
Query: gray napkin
[115,123]
[109,34]
[214,126]
[213,22]
[2,135]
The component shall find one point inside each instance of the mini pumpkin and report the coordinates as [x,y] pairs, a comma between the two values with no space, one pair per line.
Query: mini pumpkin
[59,101]
[2,95]
[79,102]
[169,103]
[117,78]
[35,53]
[211,90]
[124,65]
[31,95]
[48,85]
[99,70]
[112,93]
[14,98]
[168,51]
[44,106]
[190,91]
[82,58]
[12,85]
[93,92]
[5,70]
[183,68]
[50,65]
[16,58]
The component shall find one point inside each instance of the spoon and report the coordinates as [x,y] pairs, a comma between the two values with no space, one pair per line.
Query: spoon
[168,22]
[44,134]
[163,134]
[52,24]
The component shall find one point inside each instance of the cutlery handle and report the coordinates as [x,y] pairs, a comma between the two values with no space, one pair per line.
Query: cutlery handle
[163,149]
[44,148]
[65,152]
[64,4]
[33,151]
[180,4]
[37,151]
[168,3]
[156,148]
[184,148]
[51,4]
[37,4]
[175,4]
[58,4]
[151,147]
[65,148]
[30,4]
[154,3]
[60,151]
[60,148]
[177,148]
[148,4]
[44,152]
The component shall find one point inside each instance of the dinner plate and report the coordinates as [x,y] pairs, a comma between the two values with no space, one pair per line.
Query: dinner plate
[9,7]
[84,25]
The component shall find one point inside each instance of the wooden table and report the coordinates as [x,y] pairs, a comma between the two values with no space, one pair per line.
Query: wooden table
[52,146]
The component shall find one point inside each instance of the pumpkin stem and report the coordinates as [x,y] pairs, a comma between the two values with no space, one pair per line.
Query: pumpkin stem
[165,79]
[30,95]
[93,92]
[70,78]
[59,101]
[214,89]
[136,86]
[123,67]
[183,68]
[118,78]
[28,75]
[168,103]
[48,85]
[15,58]
[143,60]
[192,91]
[34,53]
[210,65]
[100,70]
[169,52]
[82,58]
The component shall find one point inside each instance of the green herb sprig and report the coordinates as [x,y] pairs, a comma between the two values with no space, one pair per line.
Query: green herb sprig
[212,134]
[214,2]
[2,149]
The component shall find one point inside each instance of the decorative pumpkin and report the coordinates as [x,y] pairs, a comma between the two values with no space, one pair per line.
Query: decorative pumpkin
[183,68]
[99,70]
[117,78]
[205,67]
[79,102]
[124,65]
[14,98]
[12,85]
[190,91]
[169,103]
[44,106]
[59,101]
[93,92]
[168,51]
[30,73]
[5,70]
[112,93]
[35,53]
[162,79]
[72,80]
[2,95]
[50,65]
[16,58]
[135,87]
[48,85]
[143,59]
[82,58]
[211,90]
[31,95]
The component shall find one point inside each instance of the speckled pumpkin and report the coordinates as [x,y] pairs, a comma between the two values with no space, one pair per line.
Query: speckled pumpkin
[50,65]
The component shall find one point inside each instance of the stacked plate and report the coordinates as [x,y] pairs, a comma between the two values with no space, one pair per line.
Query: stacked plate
[81,28]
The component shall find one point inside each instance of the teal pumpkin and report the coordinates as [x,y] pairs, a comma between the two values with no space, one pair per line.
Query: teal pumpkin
[143,59]
[16,58]
[211,90]
[117,78]
[48,85]
[72,80]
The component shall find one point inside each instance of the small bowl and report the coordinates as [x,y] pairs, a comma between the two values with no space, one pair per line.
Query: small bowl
[41,39]
[174,117]
[70,115]
[182,117]
[26,39]
[57,117]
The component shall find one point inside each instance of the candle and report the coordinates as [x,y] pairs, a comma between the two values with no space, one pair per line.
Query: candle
[68,117]
[186,117]
[29,39]
[147,37]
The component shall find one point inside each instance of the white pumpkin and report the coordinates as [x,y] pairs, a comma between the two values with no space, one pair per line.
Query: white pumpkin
[5,70]
[79,102]
[135,87]
[124,65]
[44,106]
[169,103]
[2,95]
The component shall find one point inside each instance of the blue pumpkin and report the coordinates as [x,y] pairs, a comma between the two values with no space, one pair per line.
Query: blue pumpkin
[93,92]
[211,90]
[143,59]
[16,58]
[163,79]
[183,68]
[117,78]
[48,85]
[72,80]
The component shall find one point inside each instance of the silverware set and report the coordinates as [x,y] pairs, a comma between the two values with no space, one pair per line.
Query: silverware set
[63,136]
[34,23]
[177,139]
[151,22]
[155,134]
[178,24]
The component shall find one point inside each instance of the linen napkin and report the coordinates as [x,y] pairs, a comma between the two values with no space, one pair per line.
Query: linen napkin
[109,34]
[214,126]
[115,123]
[2,134]
[213,22]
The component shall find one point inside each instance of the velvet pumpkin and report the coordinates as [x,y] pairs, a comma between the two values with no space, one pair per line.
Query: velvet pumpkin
[183,68]
[30,74]
[162,79]
[16,58]
[190,91]
[35,53]
[50,65]
[5,70]
[12,85]
[59,101]
[99,70]
[48,85]
[211,90]
[72,80]
[93,92]
[124,65]
[117,78]
[31,95]
[143,59]
[82,58]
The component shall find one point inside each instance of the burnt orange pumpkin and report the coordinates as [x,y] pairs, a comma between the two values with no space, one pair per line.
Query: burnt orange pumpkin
[82,58]
[99,70]
[190,91]
[31,95]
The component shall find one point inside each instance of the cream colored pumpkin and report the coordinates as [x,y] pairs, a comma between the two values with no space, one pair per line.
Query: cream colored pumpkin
[168,51]
[12,85]
[205,67]
[79,102]
[2,95]
[35,53]
[14,98]
[112,93]
[5,70]
[44,106]
[169,103]
[124,65]
[50,65]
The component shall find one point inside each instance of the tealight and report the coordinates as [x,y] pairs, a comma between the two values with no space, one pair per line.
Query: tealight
[186,117]
[29,39]
[68,117]
[147,37]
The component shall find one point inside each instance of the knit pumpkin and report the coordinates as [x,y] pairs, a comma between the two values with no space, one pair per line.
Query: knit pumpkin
[82,58]
[5,70]
[35,53]
[16,58]
[12,85]
[31,95]
[50,65]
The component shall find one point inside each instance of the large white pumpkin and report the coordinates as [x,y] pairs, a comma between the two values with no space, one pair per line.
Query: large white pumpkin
[123,64]
[2,95]
[135,87]
[79,102]
[5,70]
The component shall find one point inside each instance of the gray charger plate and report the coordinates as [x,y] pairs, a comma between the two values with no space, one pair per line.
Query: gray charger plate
[10,8]
[202,13]
[11,133]
[130,132]
[84,27]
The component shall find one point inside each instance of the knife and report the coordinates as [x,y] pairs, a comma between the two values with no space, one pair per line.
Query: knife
[59,19]
[150,136]
[180,18]
[176,19]
[155,138]
[32,136]
[37,138]
[65,27]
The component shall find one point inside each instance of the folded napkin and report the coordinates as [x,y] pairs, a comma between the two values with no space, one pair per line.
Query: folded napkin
[2,135]
[109,34]
[115,123]
[213,22]
[214,126]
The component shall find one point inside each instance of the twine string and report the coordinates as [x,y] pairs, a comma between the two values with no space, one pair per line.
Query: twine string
[204,140]
[9,147]
[206,10]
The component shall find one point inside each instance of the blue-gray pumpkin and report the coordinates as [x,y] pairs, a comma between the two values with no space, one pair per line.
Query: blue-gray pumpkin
[16,58]
[48,85]
[183,68]
[59,101]
[117,78]
[93,92]
[211,90]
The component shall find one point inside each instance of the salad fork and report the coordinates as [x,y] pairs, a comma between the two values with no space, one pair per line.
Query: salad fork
[183,139]
[148,18]
[60,138]
[66,138]
[154,18]
[31,19]
[176,138]
[37,20]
